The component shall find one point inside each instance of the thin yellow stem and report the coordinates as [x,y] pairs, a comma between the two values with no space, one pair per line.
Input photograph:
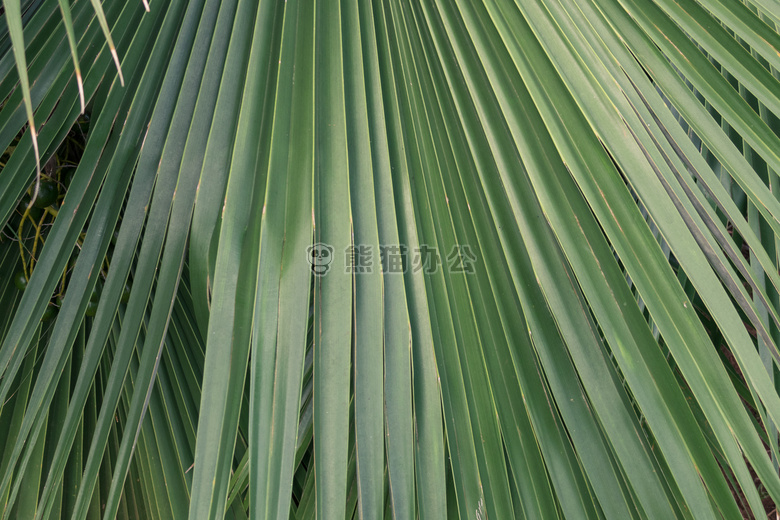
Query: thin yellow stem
[25,215]
[35,241]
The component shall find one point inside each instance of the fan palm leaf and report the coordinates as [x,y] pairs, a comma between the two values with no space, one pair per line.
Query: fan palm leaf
[390,259]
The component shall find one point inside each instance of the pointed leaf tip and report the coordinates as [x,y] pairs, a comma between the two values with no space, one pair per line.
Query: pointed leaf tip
[118,66]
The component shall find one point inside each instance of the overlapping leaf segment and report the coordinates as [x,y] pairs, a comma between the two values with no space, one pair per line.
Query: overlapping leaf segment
[610,166]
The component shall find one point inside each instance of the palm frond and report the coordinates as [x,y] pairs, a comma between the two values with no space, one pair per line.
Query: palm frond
[545,276]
